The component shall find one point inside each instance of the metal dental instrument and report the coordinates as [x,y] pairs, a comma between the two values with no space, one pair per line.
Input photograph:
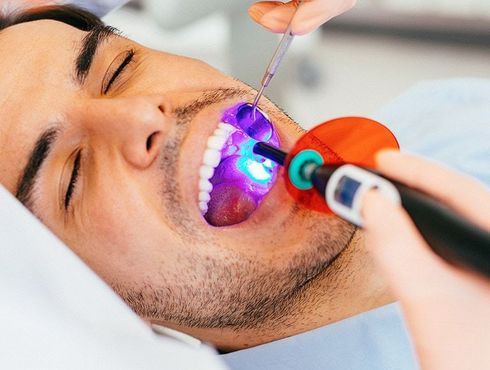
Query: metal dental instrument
[276,58]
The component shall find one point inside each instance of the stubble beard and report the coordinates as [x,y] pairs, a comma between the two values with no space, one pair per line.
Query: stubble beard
[236,292]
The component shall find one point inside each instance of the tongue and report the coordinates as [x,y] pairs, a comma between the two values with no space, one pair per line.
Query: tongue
[229,205]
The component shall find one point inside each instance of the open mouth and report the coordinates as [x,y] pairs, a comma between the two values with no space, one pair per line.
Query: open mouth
[233,180]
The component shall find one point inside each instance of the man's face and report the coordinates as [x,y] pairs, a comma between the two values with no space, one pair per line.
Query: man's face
[119,146]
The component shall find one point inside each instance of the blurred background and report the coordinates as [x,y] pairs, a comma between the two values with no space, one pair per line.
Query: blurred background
[354,65]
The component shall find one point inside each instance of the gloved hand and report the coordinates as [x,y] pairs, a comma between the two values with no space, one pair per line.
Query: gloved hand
[447,309]
[276,15]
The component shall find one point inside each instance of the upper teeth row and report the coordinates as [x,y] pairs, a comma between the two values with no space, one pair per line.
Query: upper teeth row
[210,160]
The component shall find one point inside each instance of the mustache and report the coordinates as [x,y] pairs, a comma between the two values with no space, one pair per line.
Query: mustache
[186,113]
[175,211]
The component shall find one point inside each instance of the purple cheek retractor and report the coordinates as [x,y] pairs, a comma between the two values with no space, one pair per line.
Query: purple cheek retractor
[252,121]
[240,168]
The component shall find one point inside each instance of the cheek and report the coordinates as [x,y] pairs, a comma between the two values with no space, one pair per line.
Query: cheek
[123,237]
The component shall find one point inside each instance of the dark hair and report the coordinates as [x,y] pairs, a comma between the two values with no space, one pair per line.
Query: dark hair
[68,14]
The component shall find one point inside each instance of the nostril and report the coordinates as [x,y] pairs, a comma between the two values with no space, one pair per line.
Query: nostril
[150,141]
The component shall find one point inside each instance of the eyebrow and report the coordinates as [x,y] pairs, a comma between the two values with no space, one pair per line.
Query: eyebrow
[47,139]
[88,50]
[41,150]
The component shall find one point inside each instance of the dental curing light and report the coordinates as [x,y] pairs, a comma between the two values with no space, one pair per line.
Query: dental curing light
[328,170]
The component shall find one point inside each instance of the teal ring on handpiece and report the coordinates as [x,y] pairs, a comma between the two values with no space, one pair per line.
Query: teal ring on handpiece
[297,165]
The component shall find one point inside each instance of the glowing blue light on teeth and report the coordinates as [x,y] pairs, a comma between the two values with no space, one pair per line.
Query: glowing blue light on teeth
[240,166]
[256,171]
[253,166]
[268,163]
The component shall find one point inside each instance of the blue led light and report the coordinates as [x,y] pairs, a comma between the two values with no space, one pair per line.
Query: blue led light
[254,170]
[268,163]
[253,166]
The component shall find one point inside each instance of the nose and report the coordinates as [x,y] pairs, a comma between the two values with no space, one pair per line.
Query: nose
[135,126]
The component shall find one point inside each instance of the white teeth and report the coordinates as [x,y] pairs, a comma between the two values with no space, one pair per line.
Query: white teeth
[205,185]
[203,206]
[210,160]
[221,132]
[211,157]
[226,127]
[204,196]
[216,142]
[206,172]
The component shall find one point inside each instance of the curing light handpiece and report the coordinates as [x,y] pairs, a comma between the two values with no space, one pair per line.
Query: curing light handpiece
[342,187]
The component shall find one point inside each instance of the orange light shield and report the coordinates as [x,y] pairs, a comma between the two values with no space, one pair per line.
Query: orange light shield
[353,140]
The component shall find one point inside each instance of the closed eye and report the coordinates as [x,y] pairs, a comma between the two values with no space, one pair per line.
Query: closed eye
[73,179]
[128,57]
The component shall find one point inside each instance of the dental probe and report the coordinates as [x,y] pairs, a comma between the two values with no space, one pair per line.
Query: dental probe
[276,60]
[342,187]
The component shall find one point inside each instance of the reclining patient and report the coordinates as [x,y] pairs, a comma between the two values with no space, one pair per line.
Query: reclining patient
[104,141]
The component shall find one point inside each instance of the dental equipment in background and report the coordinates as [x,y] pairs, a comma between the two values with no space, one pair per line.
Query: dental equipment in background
[276,60]
[321,179]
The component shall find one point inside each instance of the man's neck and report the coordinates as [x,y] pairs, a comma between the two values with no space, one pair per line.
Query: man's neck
[349,286]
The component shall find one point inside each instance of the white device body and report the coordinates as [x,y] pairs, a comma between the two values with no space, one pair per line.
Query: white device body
[359,181]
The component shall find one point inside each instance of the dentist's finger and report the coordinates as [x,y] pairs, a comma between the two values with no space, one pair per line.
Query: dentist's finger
[282,13]
[275,16]
[390,233]
[258,10]
[444,307]
[397,246]
[312,14]
[465,195]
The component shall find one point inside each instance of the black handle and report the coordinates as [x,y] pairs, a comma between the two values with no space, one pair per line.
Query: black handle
[452,237]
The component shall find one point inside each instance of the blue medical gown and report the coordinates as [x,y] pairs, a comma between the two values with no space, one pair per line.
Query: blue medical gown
[373,340]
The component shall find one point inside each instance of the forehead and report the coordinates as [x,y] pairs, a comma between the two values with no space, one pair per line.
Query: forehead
[34,46]
[36,70]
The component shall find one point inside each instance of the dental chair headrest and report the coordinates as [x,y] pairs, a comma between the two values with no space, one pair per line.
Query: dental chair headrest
[55,313]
